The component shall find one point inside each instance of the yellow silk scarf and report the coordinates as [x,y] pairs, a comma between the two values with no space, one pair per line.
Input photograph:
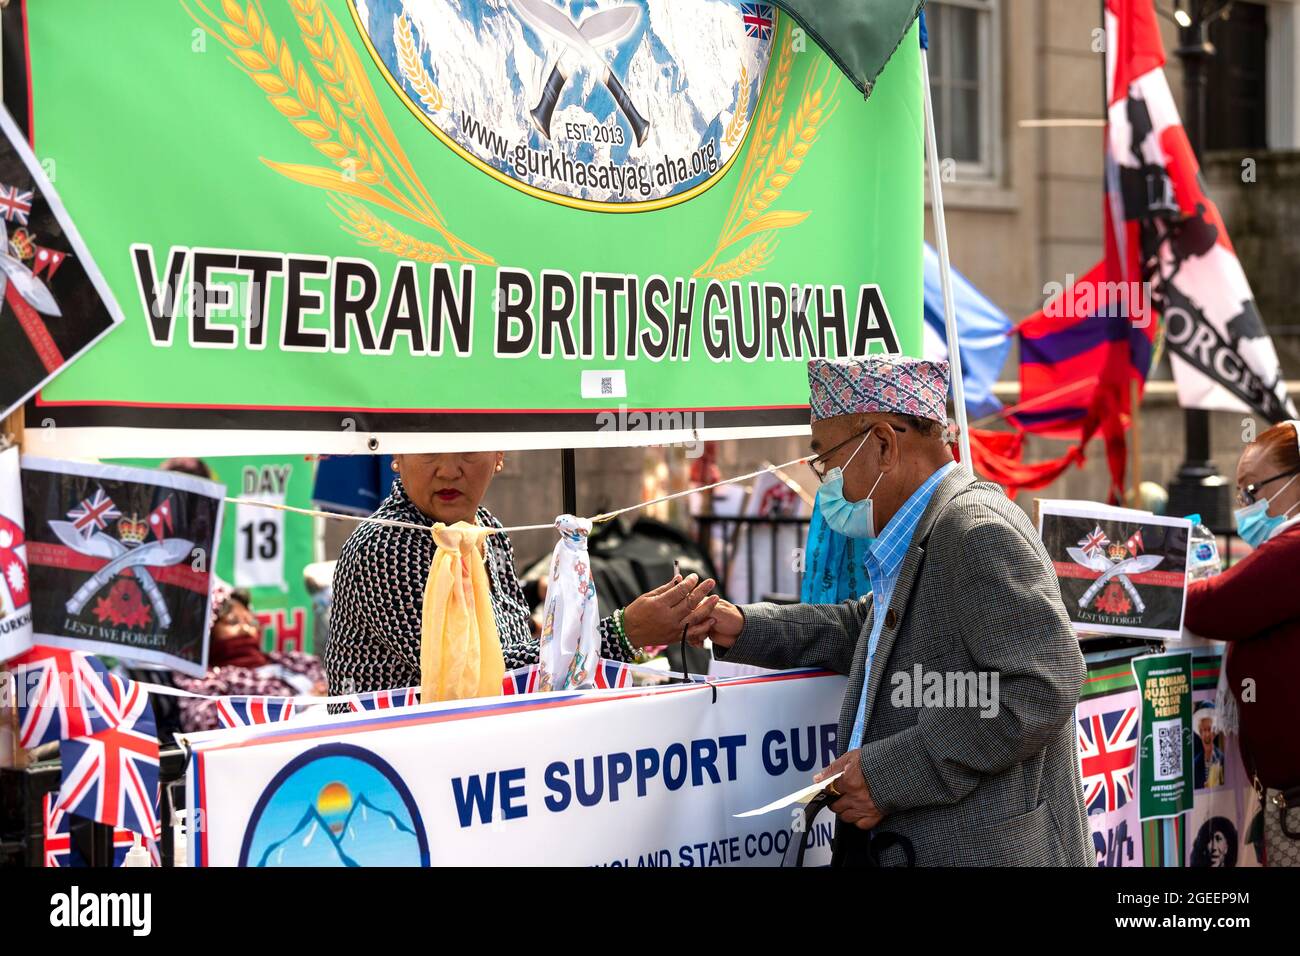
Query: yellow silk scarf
[460,651]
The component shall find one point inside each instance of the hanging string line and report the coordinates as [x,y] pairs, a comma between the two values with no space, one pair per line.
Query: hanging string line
[598,519]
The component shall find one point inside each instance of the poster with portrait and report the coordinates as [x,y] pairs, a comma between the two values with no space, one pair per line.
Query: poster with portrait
[1121,571]
[121,559]
[1223,802]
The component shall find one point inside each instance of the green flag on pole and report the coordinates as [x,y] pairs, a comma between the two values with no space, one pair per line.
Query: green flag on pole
[859,35]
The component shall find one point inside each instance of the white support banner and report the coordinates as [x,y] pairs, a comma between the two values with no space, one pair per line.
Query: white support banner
[651,777]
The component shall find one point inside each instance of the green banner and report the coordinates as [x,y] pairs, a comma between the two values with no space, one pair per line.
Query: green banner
[381,225]
[1165,755]
[263,550]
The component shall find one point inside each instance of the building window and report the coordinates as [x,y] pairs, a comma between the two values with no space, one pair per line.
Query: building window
[963,72]
[1236,107]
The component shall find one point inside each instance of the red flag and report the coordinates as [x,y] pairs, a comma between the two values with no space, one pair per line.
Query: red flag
[47,260]
[160,519]
[13,569]
[1165,234]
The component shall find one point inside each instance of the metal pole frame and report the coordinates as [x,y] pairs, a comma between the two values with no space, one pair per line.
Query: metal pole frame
[945,268]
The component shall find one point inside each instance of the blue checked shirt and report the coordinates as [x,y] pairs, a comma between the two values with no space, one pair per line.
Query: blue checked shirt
[884,562]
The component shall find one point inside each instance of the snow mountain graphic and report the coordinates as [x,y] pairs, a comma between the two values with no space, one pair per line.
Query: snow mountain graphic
[366,834]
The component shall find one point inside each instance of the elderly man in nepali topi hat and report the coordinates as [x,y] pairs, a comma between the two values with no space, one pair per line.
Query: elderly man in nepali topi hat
[956,730]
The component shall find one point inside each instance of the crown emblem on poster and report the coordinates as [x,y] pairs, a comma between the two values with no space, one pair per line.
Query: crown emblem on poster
[133,530]
[1117,552]
[22,244]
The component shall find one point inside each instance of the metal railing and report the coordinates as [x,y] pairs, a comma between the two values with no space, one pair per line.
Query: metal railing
[726,537]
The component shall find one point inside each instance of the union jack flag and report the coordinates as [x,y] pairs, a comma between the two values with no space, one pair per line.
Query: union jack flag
[384,699]
[61,694]
[1107,755]
[612,674]
[757,18]
[15,205]
[94,513]
[1094,543]
[59,851]
[248,711]
[521,680]
[112,776]
[58,838]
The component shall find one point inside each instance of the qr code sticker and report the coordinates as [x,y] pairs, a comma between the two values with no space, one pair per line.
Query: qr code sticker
[1168,736]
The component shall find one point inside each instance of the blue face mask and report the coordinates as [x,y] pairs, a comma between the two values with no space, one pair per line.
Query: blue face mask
[854,519]
[1253,522]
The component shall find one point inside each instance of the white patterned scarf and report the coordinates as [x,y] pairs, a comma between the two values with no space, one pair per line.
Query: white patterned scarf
[570,641]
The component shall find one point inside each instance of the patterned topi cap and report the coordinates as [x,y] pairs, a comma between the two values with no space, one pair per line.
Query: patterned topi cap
[892,384]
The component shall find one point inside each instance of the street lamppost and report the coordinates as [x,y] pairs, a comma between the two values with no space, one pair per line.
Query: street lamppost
[1198,487]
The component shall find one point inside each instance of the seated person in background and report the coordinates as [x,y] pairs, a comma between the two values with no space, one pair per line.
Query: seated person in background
[237,665]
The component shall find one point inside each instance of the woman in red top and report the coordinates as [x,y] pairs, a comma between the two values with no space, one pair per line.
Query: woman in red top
[1255,606]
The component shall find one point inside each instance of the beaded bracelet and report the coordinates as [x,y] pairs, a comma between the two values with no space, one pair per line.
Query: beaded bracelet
[628,649]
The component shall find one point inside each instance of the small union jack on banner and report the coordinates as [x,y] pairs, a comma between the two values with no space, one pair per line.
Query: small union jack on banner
[249,711]
[61,694]
[15,204]
[384,699]
[757,18]
[112,776]
[525,680]
[521,680]
[612,674]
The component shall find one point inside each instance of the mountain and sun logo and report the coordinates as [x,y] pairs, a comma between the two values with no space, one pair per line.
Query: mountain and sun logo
[336,805]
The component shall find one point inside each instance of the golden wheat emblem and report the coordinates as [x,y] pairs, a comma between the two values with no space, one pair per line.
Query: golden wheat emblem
[408,58]
[772,162]
[338,112]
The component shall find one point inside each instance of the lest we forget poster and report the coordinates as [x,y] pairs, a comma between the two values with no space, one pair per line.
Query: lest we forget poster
[121,560]
[1121,571]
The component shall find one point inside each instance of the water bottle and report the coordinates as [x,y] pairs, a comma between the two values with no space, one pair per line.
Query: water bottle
[137,855]
[1202,552]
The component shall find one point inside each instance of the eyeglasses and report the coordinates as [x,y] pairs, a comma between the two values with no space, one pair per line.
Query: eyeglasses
[818,464]
[1250,494]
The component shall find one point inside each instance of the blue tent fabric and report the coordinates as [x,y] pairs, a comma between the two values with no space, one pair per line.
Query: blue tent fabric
[352,484]
[983,328]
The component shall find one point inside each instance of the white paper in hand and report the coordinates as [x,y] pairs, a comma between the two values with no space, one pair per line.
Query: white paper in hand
[799,796]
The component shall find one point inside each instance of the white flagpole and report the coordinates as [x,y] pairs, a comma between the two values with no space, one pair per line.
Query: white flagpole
[945,267]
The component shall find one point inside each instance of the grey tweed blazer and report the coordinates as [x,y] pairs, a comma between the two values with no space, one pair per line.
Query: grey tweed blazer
[976,594]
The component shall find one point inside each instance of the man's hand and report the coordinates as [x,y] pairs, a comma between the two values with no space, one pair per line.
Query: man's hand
[658,616]
[855,806]
[717,619]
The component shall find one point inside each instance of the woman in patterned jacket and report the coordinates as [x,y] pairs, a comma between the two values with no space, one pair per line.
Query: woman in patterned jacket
[380,577]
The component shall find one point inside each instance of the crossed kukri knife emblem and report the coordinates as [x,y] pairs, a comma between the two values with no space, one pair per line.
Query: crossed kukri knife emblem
[1120,570]
[156,554]
[581,41]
